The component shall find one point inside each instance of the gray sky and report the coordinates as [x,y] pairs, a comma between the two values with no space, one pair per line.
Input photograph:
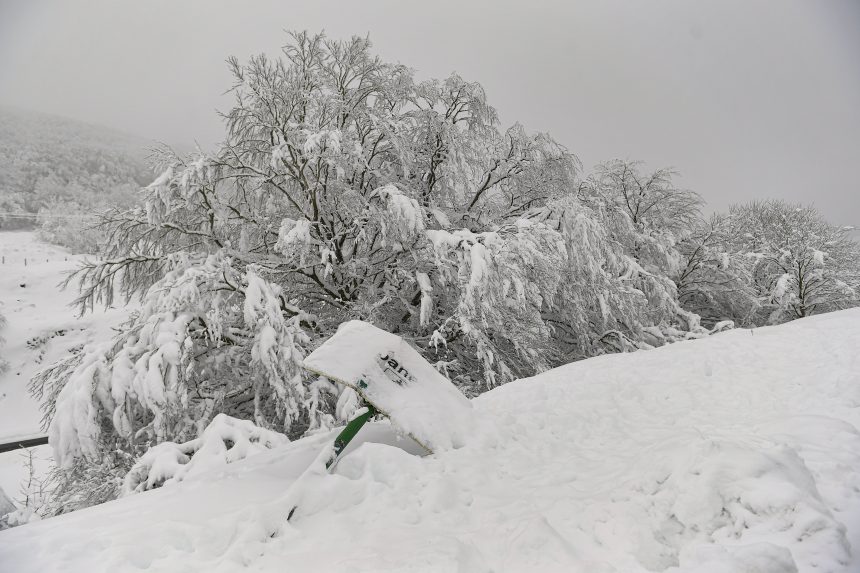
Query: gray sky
[746,98]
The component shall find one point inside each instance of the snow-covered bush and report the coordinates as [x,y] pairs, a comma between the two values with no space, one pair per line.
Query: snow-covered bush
[623,231]
[94,480]
[31,502]
[797,264]
[207,340]
[801,265]
[225,440]
[554,287]
[768,262]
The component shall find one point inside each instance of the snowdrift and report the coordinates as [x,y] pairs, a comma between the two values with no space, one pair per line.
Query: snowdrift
[735,453]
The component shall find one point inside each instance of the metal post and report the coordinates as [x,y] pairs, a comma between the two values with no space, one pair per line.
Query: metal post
[348,433]
[340,443]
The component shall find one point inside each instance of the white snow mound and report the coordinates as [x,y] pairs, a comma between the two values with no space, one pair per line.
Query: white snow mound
[735,453]
[225,440]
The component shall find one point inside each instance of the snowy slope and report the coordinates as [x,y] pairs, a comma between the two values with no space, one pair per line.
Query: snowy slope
[41,328]
[735,453]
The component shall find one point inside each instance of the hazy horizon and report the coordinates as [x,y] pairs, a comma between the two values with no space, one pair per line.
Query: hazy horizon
[747,100]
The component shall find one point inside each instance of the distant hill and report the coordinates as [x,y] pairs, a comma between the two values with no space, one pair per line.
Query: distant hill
[47,159]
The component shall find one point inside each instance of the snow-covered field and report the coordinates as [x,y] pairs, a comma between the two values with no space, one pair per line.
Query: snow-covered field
[736,453]
[40,328]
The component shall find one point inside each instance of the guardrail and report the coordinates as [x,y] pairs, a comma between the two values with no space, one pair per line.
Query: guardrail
[25,443]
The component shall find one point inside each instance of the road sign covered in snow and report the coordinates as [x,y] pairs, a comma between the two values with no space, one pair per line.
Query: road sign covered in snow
[395,379]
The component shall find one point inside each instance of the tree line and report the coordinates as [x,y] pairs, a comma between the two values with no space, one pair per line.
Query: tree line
[57,174]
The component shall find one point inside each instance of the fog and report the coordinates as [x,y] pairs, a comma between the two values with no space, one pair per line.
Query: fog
[745,99]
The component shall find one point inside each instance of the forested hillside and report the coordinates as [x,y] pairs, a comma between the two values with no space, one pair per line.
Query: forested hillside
[55,173]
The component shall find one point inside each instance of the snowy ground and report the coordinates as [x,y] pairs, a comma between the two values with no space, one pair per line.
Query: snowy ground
[41,327]
[737,453]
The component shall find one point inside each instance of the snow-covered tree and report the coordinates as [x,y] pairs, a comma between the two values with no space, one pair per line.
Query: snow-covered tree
[207,340]
[642,218]
[314,210]
[345,189]
[652,202]
[799,263]
[647,215]
[714,278]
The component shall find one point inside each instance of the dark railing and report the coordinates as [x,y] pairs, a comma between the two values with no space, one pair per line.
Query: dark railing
[26,443]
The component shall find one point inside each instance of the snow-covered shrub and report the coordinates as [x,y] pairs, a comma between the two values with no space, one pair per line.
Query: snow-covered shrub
[225,440]
[768,262]
[498,281]
[94,480]
[797,264]
[800,264]
[207,340]
[551,288]
[31,501]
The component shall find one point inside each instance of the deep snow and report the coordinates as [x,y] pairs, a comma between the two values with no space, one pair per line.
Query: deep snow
[41,328]
[739,452]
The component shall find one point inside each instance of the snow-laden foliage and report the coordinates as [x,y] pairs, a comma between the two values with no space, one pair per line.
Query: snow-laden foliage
[624,298]
[225,440]
[345,189]
[555,287]
[207,340]
[714,279]
[658,209]
[769,262]
[800,264]
[31,503]
[500,281]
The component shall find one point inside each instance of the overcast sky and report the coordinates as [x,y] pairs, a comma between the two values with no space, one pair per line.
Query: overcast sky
[747,99]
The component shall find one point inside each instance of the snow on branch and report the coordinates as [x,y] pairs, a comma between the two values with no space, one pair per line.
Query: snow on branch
[206,340]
